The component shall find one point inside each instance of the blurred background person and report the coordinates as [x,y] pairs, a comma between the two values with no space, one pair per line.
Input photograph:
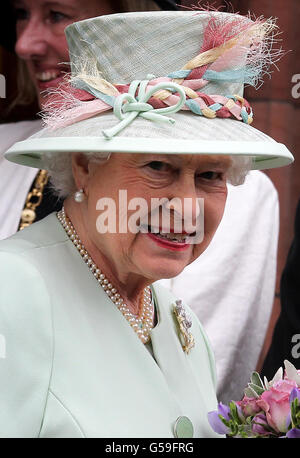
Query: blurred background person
[36,33]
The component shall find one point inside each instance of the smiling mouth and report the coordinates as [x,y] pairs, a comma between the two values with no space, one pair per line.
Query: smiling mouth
[45,77]
[179,238]
[48,75]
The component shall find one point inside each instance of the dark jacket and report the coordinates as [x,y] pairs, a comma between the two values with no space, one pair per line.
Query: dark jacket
[286,338]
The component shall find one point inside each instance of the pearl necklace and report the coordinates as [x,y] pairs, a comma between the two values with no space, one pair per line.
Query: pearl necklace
[141,323]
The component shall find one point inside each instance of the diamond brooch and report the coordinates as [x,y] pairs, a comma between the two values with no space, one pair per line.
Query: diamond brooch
[185,323]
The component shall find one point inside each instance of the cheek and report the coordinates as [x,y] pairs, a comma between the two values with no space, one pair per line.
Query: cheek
[19,30]
[105,209]
[30,69]
[61,47]
[213,212]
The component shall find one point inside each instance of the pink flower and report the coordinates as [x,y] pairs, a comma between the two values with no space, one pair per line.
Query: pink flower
[249,406]
[275,404]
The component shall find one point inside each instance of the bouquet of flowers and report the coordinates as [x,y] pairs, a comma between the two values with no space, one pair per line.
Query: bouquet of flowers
[268,409]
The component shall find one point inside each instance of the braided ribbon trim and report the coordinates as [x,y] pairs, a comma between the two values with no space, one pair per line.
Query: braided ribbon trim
[211,106]
[128,106]
[155,99]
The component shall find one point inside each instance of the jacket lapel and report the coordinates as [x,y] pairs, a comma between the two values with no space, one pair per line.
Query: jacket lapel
[176,365]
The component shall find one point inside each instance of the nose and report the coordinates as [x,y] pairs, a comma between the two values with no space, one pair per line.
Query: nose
[186,206]
[31,40]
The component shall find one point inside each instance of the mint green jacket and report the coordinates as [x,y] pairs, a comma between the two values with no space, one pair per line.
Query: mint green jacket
[70,364]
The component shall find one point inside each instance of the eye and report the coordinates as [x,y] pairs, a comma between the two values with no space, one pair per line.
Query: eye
[56,17]
[210,175]
[159,166]
[21,14]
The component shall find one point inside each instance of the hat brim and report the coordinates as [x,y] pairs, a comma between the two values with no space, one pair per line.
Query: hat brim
[191,134]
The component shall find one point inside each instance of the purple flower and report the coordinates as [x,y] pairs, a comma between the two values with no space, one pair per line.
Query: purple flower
[295,393]
[288,420]
[293,417]
[293,433]
[260,425]
[215,421]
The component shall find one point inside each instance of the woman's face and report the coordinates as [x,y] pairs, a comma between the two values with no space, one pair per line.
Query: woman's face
[41,40]
[129,186]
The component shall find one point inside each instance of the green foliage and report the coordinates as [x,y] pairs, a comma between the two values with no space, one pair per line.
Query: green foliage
[256,386]
[295,414]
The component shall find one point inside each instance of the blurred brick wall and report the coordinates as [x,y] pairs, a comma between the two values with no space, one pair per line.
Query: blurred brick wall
[276,112]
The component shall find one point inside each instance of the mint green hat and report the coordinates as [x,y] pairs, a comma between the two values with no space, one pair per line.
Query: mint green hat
[160,82]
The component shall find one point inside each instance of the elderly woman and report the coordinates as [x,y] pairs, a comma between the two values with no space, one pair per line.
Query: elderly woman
[240,281]
[92,349]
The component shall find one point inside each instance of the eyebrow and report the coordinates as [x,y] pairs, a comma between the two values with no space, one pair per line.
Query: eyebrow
[211,162]
[178,159]
[47,3]
[59,4]
[218,162]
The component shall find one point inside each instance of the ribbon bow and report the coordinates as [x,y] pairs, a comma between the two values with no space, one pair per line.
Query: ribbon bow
[127,106]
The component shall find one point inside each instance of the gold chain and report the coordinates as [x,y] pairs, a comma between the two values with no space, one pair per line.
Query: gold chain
[33,200]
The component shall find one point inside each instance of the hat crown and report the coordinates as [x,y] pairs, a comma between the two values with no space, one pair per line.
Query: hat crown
[130,46]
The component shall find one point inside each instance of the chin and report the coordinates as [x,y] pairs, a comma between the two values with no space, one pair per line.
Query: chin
[165,272]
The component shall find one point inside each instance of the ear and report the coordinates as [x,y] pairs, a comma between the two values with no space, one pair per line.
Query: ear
[80,170]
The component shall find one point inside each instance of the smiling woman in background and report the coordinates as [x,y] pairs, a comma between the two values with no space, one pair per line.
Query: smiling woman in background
[93,348]
[36,33]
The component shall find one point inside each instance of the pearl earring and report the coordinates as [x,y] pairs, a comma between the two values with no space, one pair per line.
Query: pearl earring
[79,196]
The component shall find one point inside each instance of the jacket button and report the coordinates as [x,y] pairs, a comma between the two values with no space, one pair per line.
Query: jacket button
[183,428]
